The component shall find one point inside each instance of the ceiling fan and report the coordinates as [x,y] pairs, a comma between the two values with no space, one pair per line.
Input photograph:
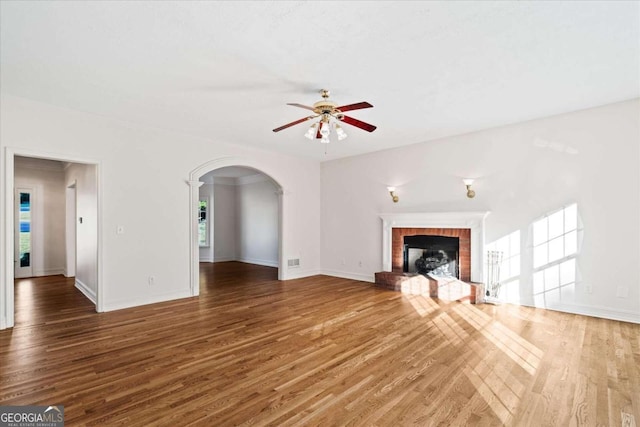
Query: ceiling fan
[326,110]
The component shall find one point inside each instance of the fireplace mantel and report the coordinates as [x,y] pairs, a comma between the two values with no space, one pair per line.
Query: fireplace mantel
[471,220]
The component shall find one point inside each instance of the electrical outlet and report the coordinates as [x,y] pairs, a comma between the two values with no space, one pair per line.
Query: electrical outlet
[359,263]
[120,229]
[588,289]
[622,292]
[152,280]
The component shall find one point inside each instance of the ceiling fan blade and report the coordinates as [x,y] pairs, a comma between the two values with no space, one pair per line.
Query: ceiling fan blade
[359,124]
[306,107]
[318,134]
[358,106]
[293,123]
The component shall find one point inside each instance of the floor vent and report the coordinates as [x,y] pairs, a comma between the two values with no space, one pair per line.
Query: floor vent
[293,263]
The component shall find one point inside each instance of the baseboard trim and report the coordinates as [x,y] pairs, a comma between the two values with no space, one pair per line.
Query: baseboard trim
[262,262]
[296,273]
[130,303]
[597,311]
[86,291]
[347,275]
[206,259]
[586,310]
[49,272]
[3,323]
[223,259]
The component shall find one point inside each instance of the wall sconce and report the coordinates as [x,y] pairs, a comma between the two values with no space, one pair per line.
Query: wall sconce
[392,191]
[470,193]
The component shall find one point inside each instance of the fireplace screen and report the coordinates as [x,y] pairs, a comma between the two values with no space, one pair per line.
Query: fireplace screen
[436,255]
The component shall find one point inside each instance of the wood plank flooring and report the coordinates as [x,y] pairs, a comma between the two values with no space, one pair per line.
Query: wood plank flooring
[316,351]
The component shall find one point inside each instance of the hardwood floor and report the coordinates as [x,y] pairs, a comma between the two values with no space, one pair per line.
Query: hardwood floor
[317,351]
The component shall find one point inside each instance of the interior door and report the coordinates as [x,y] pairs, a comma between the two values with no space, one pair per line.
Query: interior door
[23,260]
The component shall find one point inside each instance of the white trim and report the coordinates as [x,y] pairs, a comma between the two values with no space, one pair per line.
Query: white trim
[471,220]
[206,259]
[3,323]
[49,272]
[6,284]
[589,310]
[264,262]
[129,303]
[7,309]
[224,259]
[299,274]
[88,292]
[353,276]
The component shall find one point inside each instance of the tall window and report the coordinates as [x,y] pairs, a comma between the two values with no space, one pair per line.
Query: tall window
[203,222]
[555,245]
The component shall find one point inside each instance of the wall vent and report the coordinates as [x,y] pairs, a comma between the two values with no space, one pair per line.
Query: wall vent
[294,263]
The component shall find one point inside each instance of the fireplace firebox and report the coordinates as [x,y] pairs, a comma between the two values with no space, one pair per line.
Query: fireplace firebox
[428,254]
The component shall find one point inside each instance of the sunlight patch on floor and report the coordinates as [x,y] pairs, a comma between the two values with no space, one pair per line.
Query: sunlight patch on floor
[423,305]
[488,395]
[518,349]
[451,330]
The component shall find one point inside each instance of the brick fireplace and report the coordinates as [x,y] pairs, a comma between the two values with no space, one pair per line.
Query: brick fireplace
[467,226]
[462,234]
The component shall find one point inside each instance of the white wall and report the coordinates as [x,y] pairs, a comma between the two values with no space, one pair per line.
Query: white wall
[48,221]
[257,222]
[143,186]
[85,179]
[245,219]
[224,218]
[522,172]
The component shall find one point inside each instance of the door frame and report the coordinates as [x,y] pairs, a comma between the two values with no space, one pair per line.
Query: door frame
[16,225]
[7,235]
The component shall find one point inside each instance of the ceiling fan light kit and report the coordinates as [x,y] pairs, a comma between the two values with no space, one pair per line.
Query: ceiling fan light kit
[329,114]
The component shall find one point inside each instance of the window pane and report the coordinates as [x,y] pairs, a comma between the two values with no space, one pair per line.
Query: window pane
[505,271]
[552,296]
[539,255]
[202,224]
[556,249]
[556,225]
[25,230]
[514,243]
[538,282]
[568,272]
[514,266]
[551,278]
[540,231]
[570,218]
[571,243]
[568,292]
[511,291]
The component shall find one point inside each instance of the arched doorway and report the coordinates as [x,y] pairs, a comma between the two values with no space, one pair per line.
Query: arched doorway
[194,208]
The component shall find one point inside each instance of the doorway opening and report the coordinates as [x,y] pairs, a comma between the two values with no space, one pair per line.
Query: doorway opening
[51,235]
[236,215]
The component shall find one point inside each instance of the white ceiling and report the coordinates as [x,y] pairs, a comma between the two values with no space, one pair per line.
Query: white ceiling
[225,70]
